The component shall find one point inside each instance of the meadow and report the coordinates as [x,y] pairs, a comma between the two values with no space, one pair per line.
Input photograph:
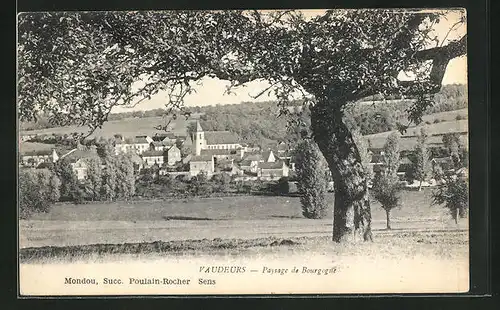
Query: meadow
[246,217]
[424,252]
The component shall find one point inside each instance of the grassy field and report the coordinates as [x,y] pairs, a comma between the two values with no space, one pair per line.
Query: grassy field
[424,252]
[244,217]
[129,127]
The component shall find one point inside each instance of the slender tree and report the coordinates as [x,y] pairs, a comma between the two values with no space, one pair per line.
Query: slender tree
[421,159]
[312,182]
[453,194]
[453,145]
[391,155]
[78,66]
[109,181]
[94,177]
[386,185]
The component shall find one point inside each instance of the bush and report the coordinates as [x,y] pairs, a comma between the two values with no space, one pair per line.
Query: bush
[459,117]
[38,190]
[199,185]
[221,182]
[437,121]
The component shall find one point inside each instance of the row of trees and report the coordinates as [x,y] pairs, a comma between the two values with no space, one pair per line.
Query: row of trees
[107,178]
[152,185]
[452,191]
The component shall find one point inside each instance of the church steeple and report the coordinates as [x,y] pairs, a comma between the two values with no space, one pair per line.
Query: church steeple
[199,139]
[198,127]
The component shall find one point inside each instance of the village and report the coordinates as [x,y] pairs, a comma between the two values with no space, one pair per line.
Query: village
[210,152]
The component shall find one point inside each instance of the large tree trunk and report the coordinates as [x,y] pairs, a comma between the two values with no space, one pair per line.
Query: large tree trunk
[352,205]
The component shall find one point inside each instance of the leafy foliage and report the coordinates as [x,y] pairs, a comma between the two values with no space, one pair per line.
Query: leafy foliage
[386,187]
[38,190]
[453,193]
[391,154]
[76,66]
[70,187]
[387,191]
[312,180]
[93,183]
[420,159]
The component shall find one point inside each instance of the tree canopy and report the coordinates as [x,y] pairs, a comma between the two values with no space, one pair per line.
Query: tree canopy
[77,66]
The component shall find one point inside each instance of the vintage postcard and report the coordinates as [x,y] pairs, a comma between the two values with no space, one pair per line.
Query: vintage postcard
[243,152]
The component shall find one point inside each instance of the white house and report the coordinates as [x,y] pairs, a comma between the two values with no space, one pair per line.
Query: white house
[153,157]
[77,158]
[173,155]
[138,144]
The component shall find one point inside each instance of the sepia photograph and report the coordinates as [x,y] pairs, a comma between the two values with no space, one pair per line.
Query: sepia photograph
[236,152]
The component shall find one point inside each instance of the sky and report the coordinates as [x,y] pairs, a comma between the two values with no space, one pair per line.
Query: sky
[211,91]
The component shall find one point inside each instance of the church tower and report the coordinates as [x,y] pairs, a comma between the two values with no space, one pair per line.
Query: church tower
[200,142]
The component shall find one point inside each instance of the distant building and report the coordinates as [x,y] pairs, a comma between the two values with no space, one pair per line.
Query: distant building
[27,137]
[201,163]
[151,158]
[35,158]
[173,155]
[272,170]
[249,165]
[160,146]
[445,163]
[168,138]
[138,144]
[77,158]
[268,156]
[214,140]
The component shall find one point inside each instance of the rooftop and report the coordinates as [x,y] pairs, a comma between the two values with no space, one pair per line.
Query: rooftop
[275,165]
[198,127]
[217,152]
[245,163]
[201,158]
[77,154]
[152,153]
[221,137]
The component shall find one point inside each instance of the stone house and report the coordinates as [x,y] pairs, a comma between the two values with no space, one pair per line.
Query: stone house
[201,163]
[272,170]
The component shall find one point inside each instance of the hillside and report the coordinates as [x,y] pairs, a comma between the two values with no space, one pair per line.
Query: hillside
[127,127]
[447,124]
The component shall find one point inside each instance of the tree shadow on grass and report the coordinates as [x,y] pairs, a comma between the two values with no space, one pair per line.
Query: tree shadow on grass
[186,218]
[287,216]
